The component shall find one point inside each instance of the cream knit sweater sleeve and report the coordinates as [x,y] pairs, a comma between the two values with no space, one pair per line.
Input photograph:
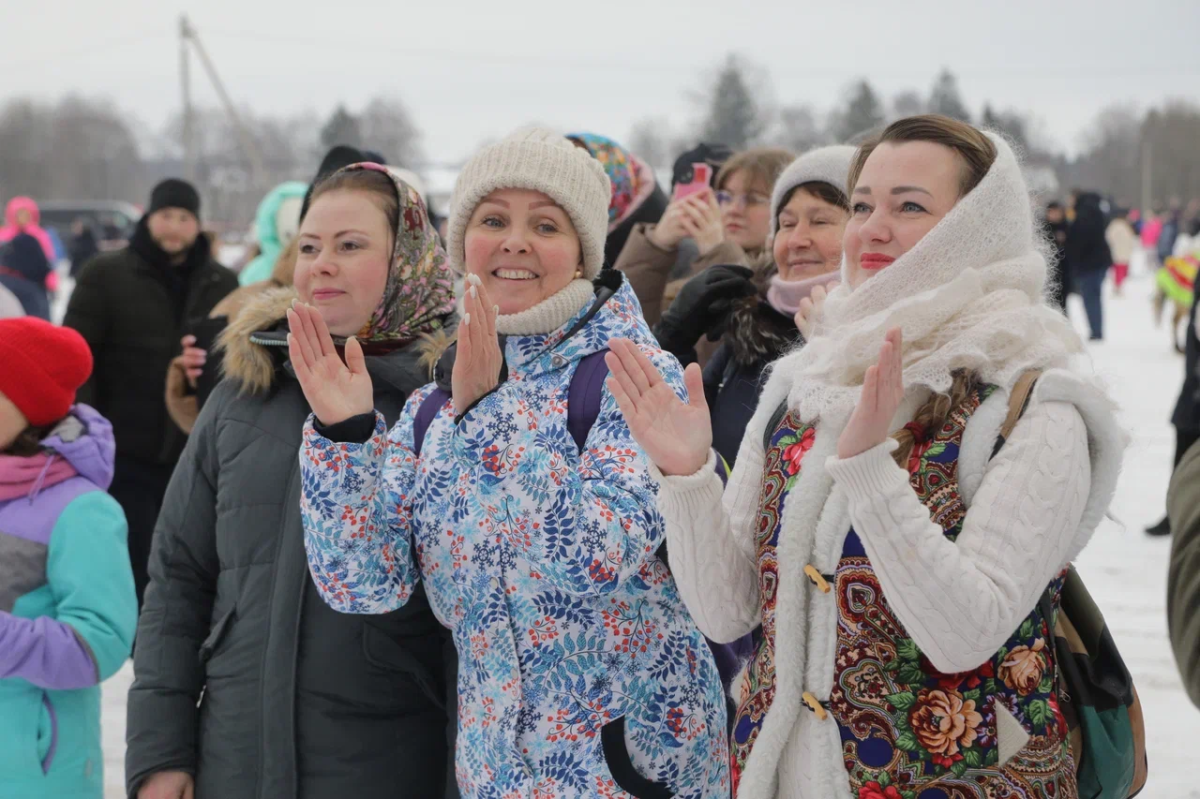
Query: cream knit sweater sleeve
[710,542]
[960,601]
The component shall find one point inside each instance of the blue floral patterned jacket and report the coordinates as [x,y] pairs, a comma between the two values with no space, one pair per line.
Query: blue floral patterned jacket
[581,674]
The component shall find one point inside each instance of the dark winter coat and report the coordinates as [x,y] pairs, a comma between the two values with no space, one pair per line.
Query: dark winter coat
[1187,408]
[1183,578]
[1086,249]
[295,699]
[23,271]
[83,248]
[1056,233]
[133,307]
[757,335]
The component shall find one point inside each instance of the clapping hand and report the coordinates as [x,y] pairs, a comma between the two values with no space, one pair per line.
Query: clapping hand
[478,361]
[882,393]
[335,390]
[675,436]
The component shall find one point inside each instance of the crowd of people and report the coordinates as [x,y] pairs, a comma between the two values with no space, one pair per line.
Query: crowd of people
[765,483]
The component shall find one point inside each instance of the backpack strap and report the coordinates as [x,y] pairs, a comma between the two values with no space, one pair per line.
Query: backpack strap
[1018,401]
[583,396]
[426,413]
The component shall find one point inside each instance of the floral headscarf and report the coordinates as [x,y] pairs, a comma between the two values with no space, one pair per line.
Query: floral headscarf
[420,289]
[622,171]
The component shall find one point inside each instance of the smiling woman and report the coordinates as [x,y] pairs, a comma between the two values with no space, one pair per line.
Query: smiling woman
[537,542]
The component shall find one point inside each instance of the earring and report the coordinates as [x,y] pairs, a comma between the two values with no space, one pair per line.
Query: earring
[578,273]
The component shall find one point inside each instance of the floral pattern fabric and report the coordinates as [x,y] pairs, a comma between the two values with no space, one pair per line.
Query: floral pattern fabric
[420,287]
[790,442]
[911,732]
[541,559]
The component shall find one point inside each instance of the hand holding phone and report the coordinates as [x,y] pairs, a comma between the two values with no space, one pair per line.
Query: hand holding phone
[701,178]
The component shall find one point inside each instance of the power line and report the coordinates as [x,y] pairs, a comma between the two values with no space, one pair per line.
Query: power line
[77,52]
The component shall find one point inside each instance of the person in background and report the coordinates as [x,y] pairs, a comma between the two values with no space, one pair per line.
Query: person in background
[133,306]
[25,272]
[1185,417]
[298,700]
[756,312]
[67,604]
[1192,218]
[83,247]
[1121,240]
[731,233]
[1054,228]
[657,253]
[1088,258]
[23,216]
[897,561]
[275,225]
[338,157]
[636,196]
[537,542]
[1171,228]
[1183,576]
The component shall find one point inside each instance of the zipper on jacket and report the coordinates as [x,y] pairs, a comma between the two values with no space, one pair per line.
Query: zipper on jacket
[254,339]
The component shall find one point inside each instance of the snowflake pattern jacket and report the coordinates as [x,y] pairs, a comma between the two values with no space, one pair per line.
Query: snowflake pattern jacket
[581,672]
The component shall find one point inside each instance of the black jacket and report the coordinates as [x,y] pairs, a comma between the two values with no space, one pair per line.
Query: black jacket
[23,271]
[133,307]
[1056,232]
[1086,249]
[733,380]
[1187,408]
[295,699]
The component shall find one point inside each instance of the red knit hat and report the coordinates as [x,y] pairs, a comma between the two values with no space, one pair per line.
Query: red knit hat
[41,367]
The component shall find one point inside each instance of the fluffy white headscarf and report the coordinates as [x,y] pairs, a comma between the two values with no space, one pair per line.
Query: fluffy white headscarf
[969,295]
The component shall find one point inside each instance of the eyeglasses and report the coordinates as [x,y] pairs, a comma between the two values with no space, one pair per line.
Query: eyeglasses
[751,199]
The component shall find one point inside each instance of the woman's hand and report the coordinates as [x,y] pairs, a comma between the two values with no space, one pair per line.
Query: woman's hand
[675,436]
[703,221]
[812,308]
[335,391]
[883,391]
[670,230]
[168,785]
[478,361]
[193,359]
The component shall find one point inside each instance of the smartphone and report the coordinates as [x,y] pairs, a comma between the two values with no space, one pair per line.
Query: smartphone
[206,332]
[701,176]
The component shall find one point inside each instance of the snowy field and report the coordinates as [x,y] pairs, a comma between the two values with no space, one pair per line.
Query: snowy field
[1125,569]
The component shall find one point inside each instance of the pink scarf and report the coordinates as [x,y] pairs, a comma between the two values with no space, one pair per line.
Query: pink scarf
[26,476]
[785,295]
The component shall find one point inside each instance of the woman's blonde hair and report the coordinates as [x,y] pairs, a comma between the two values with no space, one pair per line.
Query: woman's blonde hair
[761,165]
[933,415]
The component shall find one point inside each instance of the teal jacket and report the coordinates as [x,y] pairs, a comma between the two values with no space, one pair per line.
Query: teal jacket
[67,616]
[266,225]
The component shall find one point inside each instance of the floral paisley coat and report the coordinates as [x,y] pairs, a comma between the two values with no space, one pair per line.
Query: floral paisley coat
[581,673]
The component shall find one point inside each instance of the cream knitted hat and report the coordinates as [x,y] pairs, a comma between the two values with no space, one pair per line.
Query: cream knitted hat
[539,160]
[825,164]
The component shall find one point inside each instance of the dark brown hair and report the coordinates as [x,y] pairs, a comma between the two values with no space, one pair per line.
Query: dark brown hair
[762,165]
[381,187]
[826,192]
[29,442]
[976,150]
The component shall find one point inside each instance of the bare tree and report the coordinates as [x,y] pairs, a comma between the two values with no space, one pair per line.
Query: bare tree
[387,127]
[945,98]
[907,103]
[736,116]
[648,140]
[862,115]
[341,128]
[800,129]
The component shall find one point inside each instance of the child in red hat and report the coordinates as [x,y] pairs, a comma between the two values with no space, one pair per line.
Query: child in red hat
[67,604]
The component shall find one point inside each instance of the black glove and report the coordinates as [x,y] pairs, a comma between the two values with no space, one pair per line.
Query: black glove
[703,308]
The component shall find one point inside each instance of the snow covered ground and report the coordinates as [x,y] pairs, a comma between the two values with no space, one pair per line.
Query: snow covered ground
[1125,569]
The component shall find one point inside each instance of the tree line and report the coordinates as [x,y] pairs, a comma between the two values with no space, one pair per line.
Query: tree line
[86,149]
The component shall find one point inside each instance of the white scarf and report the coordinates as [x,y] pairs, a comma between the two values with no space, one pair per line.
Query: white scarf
[970,295]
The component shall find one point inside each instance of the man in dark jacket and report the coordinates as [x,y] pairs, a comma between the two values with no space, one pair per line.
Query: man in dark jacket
[133,307]
[1088,258]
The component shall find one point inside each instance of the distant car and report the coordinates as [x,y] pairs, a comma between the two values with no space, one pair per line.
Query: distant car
[112,221]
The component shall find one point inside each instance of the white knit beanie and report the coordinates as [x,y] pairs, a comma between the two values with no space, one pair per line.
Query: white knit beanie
[539,160]
[825,164]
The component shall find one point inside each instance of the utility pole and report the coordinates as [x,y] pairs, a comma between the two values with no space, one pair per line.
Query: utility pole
[189,155]
[249,146]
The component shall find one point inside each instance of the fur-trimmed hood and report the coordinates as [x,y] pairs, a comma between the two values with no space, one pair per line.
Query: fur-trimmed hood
[255,348]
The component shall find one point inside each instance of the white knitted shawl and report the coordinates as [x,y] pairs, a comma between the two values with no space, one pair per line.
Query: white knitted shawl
[969,295]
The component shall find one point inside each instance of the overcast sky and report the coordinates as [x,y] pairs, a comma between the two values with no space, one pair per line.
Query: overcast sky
[473,69]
